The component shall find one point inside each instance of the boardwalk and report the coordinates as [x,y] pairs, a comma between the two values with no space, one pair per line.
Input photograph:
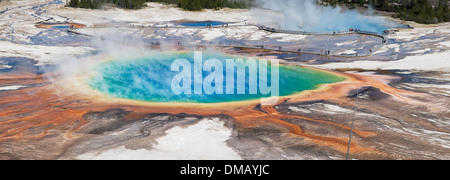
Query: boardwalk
[335,33]
[272,30]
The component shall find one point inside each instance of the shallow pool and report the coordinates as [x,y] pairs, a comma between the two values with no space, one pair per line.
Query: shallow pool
[61,27]
[201,23]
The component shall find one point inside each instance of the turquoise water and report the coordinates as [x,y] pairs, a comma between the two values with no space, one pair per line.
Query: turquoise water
[201,23]
[61,27]
[149,79]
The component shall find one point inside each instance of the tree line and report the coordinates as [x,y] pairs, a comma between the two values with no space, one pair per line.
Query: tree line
[190,5]
[96,4]
[197,5]
[421,11]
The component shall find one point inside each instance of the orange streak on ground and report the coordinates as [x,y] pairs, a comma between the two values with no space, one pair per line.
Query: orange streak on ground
[48,26]
[38,110]
[273,112]
[255,119]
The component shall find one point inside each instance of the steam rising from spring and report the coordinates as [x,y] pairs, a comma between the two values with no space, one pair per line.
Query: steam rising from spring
[307,15]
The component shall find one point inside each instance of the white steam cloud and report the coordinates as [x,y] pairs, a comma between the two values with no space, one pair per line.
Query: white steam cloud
[307,15]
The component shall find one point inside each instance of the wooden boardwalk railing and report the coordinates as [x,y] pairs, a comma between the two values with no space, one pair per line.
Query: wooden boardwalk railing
[274,30]
[335,33]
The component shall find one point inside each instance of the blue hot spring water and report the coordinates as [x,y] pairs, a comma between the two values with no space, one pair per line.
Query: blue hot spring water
[61,27]
[149,79]
[201,23]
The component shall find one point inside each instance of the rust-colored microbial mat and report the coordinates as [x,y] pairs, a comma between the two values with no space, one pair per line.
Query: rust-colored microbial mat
[46,117]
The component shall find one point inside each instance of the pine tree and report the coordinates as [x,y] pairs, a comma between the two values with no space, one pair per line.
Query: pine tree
[73,3]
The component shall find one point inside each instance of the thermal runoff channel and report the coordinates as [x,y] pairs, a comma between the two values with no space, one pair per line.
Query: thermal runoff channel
[151,78]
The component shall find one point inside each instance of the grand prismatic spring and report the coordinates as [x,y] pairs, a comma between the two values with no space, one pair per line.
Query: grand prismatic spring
[150,78]
[114,83]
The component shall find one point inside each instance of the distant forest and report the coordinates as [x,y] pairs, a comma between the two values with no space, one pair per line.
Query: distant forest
[421,11]
[196,5]
[96,4]
[190,5]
